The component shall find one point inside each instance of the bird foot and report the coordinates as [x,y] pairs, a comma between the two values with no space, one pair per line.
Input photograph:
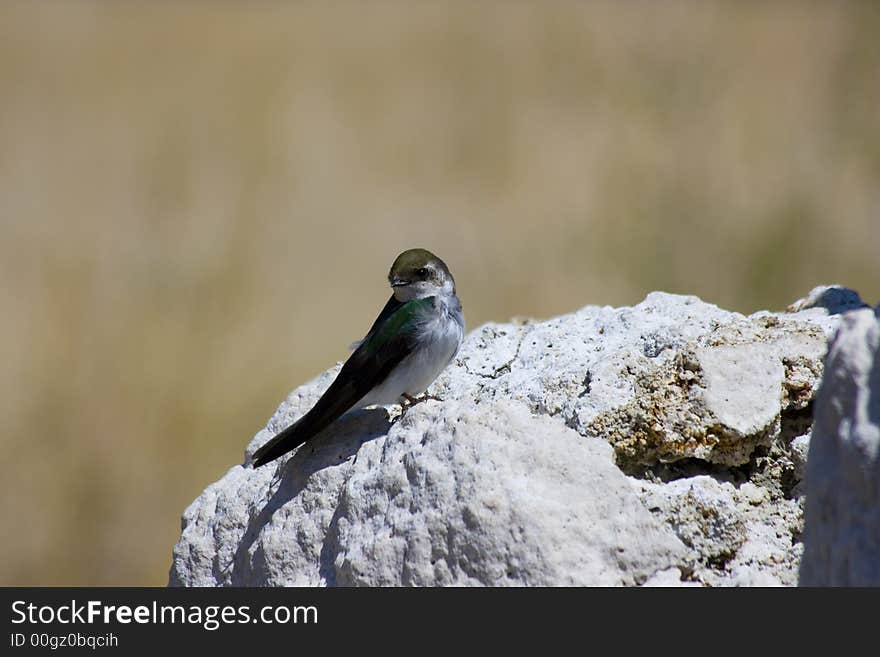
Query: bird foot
[412,401]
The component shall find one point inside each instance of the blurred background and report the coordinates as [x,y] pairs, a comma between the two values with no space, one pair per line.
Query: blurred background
[199,202]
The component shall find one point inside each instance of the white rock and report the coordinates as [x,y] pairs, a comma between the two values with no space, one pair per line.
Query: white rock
[495,486]
[702,513]
[842,523]
[753,494]
[492,495]
[669,577]
[744,576]
[717,393]
[800,449]
[452,495]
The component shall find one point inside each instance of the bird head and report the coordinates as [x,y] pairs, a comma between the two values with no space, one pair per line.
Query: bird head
[418,273]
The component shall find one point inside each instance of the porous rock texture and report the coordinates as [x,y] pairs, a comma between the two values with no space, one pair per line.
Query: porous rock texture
[842,525]
[661,444]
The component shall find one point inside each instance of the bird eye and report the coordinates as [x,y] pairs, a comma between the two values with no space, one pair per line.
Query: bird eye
[422,272]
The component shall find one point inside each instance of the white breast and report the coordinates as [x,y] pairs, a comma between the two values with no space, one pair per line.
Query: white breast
[442,338]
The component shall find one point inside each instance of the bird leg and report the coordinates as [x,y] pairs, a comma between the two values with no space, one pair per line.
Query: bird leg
[412,401]
[409,401]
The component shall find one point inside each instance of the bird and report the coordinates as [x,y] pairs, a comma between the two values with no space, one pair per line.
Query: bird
[414,338]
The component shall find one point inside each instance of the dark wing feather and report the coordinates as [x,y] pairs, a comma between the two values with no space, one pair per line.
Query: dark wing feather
[388,342]
[390,308]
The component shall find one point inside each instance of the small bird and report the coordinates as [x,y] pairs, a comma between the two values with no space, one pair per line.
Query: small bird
[413,339]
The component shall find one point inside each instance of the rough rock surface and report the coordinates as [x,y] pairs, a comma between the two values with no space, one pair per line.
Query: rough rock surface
[842,526]
[660,444]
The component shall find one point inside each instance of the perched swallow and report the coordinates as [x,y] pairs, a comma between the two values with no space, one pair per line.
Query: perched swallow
[413,339]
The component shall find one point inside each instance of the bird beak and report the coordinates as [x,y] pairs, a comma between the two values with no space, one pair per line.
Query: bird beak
[398,282]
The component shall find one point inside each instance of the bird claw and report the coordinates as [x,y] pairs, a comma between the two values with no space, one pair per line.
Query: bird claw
[412,401]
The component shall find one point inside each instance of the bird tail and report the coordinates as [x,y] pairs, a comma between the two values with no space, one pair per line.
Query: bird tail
[285,441]
[339,398]
[305,428]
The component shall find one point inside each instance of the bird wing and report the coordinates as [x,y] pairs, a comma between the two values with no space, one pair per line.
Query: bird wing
[388,342]
[389,309]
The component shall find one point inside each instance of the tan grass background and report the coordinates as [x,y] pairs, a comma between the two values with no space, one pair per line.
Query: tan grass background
[199,202]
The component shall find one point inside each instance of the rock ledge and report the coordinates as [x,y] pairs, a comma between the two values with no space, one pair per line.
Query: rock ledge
[662,444]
